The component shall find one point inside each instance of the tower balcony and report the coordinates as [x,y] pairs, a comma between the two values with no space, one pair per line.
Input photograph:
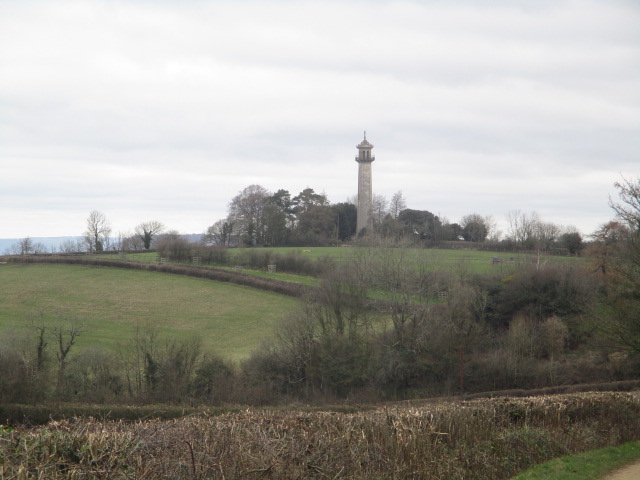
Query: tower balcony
[365,160]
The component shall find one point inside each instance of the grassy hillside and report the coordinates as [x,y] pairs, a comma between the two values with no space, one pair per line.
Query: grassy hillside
[231,320]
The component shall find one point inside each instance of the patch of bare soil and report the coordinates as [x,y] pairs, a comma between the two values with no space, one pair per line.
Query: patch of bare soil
[630,472]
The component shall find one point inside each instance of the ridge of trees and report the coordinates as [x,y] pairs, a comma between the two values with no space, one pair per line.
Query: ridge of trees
[259,217]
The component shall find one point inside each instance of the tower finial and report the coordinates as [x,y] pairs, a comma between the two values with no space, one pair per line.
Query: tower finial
[365,134]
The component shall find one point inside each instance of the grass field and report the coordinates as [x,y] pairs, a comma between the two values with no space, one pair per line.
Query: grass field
[469,261]
[231,320]
[473,261]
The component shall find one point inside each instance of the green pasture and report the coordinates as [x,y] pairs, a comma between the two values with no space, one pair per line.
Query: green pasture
[476,261]
[462,261]
[111,303]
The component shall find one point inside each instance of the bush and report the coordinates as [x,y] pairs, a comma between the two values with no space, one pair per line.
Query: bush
[213,381]
[213,255]
[95,375]
[294,262]
[177,249]
[540,293]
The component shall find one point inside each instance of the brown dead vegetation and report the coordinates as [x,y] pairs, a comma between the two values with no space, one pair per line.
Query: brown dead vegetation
[478,439]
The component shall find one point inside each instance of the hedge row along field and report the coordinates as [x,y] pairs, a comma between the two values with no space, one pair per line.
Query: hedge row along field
[479,439]
[220,275]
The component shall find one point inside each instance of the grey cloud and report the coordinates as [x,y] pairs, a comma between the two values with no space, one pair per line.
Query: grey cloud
[154,107]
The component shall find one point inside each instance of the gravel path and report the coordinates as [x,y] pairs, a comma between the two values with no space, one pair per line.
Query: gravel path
[630,472]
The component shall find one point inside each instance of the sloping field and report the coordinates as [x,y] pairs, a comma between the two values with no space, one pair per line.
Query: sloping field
[111,303]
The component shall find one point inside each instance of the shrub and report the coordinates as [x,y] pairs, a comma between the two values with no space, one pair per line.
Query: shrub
[95,375]
[213,255]
[213,381]
[540,293]
[177,249]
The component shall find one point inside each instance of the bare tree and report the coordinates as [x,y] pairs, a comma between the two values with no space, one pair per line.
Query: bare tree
[220,232]
[122,241]
[72,246]
[98,231]
[21,247]
[628,213]
[523,227]
[547,234]
[624,324]
[607,244]
[246,210]
[134,242]
[65,338]
[26,246]
[378,210]
[146,231]
[397,204]
[628,209]
[38,324]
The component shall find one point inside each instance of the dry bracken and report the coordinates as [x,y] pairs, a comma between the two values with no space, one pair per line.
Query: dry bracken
[489,438]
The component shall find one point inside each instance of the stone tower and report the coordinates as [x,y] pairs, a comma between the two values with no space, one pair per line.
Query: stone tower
[365,189]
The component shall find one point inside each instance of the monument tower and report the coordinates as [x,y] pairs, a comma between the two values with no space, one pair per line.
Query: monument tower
[365,190]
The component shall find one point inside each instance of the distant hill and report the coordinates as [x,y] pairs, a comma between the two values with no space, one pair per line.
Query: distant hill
[53,243]
[49,243]
[193,237]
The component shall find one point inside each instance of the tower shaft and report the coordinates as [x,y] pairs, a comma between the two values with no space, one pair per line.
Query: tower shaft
[365,186]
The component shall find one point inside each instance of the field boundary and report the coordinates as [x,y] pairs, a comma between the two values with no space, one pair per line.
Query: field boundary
[14,413]
[209,273]
[618,386]
[480,439]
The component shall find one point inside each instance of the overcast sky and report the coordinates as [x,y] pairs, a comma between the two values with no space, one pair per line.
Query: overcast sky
[164,110]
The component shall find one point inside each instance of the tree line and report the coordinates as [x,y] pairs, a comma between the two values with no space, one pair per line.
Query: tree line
[98,237]
[259,217]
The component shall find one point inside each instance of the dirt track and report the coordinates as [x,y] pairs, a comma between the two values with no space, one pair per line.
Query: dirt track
[630,472]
